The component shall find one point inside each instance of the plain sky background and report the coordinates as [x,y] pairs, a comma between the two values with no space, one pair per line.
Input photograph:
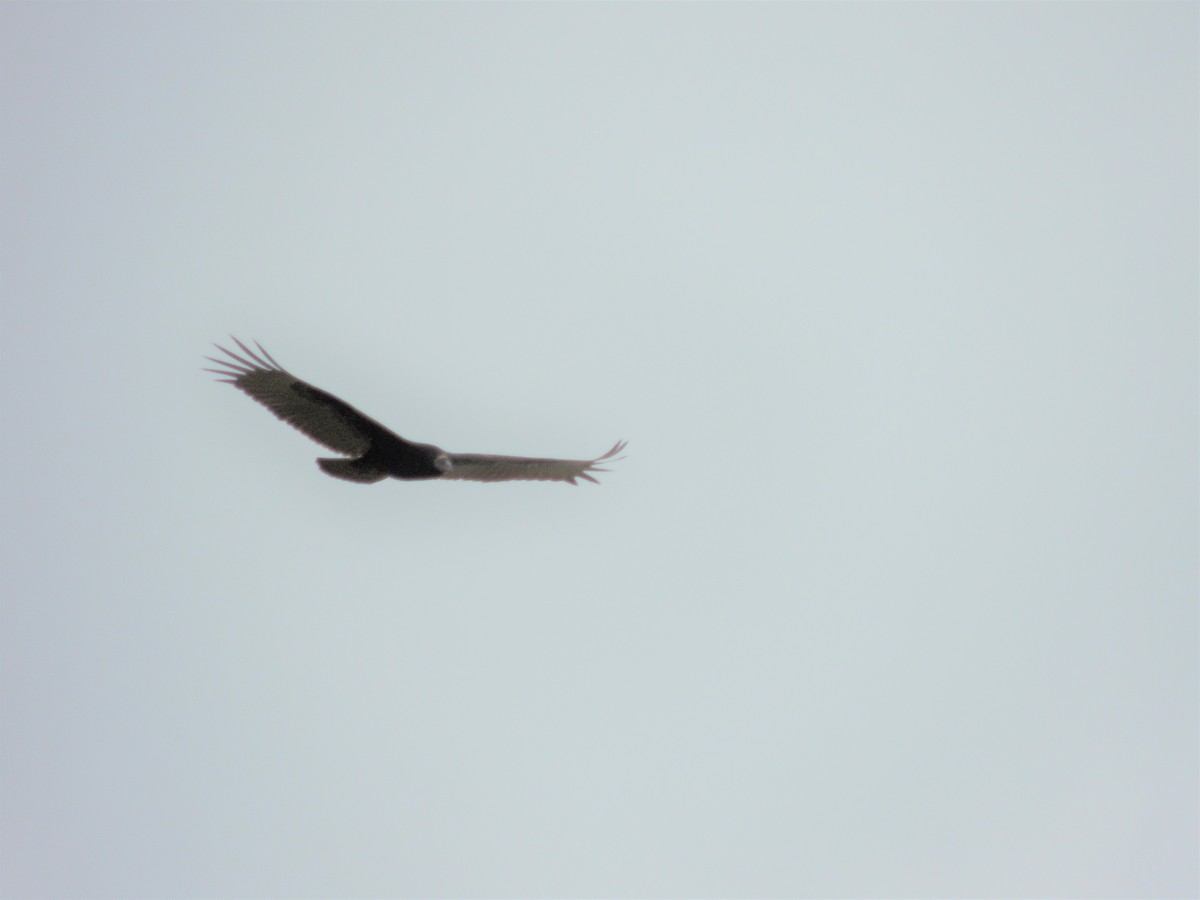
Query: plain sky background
[895,594]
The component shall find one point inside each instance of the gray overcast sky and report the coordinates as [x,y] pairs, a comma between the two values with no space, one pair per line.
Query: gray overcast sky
[896,593]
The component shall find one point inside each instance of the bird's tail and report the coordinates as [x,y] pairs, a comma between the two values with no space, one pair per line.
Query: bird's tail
[352,470]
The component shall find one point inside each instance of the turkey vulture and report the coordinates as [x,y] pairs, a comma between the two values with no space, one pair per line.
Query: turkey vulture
[375,452]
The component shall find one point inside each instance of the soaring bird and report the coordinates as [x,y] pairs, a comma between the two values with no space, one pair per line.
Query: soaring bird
[373,452]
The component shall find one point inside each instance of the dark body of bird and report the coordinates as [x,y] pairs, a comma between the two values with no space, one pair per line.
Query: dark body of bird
[373,452]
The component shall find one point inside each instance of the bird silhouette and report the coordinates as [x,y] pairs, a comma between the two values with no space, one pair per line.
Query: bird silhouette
[370,451]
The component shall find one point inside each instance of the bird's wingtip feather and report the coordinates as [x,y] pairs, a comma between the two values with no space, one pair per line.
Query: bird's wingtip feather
[254,356]
[268,356]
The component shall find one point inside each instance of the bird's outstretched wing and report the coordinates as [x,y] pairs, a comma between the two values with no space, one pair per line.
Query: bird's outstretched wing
[323,417]
[483,467]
